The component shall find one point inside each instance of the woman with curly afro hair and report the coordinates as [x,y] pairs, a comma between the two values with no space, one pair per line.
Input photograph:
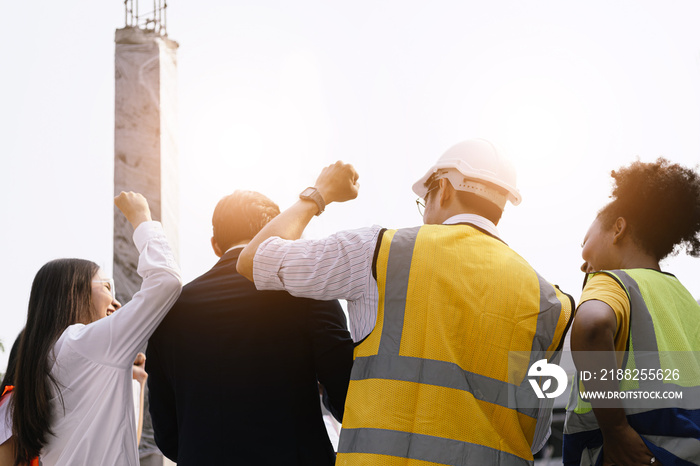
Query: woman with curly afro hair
[636,335]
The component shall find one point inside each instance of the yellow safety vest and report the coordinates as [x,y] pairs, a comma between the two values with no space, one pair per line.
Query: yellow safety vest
[430,384]
[663,340]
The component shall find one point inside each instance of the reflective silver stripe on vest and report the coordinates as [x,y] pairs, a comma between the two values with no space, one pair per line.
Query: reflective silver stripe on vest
[547,319]
[589,456]
[444,374]
[397,273]
[684,448]
[641,324]
[423,447]
[576,422]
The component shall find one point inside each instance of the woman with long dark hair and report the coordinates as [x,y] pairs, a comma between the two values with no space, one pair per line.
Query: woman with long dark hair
[73,404]
[637,329]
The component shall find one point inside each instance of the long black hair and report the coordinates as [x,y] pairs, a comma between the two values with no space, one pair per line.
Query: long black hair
[61,296]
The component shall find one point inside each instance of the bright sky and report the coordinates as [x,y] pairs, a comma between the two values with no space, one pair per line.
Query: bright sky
[270,92]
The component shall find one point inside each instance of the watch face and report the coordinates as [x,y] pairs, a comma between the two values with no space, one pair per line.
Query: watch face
[312,194]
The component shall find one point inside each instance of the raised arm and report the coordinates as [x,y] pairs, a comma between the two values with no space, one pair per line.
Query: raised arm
[116,339]
[336,183]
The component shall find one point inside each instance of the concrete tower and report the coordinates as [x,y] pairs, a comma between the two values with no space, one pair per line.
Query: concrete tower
[145,151]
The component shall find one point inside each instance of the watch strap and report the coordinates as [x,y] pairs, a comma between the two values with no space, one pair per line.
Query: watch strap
[312,194]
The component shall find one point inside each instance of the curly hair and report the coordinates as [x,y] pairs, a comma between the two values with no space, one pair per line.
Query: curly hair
[661,203]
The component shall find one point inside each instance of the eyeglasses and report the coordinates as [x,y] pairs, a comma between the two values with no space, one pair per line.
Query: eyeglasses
[110,285]
[420,203]
[421,206]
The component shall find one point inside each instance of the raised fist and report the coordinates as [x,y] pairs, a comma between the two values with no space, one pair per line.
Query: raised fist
[338,183]
[134,207]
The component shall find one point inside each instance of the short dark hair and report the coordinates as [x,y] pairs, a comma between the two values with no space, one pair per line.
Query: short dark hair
[240,216]
[660,202]
[480,205]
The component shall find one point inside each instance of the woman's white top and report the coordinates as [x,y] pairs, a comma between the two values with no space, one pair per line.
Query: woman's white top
[95,423]
[5,419]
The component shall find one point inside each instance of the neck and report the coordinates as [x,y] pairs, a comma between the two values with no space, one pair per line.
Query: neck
[633,257]
[640,263]
[457,210]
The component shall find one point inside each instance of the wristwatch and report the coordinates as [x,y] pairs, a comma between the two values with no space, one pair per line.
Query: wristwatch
[312,194]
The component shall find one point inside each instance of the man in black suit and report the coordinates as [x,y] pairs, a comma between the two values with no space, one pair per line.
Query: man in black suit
[233,371]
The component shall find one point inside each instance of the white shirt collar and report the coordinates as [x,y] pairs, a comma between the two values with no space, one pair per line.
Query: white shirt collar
[476,220]
[235,247]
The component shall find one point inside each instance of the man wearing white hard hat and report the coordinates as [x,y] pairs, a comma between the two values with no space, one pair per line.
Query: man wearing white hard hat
[448,317]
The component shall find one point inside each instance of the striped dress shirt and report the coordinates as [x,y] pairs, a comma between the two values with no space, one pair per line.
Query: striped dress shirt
[336,267]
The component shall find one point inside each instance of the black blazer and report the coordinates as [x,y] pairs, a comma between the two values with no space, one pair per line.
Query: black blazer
[233,373]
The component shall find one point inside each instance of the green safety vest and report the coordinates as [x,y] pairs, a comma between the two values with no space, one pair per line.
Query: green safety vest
[664,338]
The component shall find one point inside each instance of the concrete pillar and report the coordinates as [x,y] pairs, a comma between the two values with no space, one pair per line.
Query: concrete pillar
[145,151]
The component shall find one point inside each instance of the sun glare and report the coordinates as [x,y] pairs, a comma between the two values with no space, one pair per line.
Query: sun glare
[547,121]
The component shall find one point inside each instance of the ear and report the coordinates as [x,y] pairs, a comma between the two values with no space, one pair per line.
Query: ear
[620,229]
[447,192]
[217,249]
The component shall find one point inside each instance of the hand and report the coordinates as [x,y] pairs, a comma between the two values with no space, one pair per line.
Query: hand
[134,207]
[338,183]
[138,371]
[624,447]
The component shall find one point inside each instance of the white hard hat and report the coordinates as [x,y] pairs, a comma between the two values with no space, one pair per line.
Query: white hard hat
[470,162]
